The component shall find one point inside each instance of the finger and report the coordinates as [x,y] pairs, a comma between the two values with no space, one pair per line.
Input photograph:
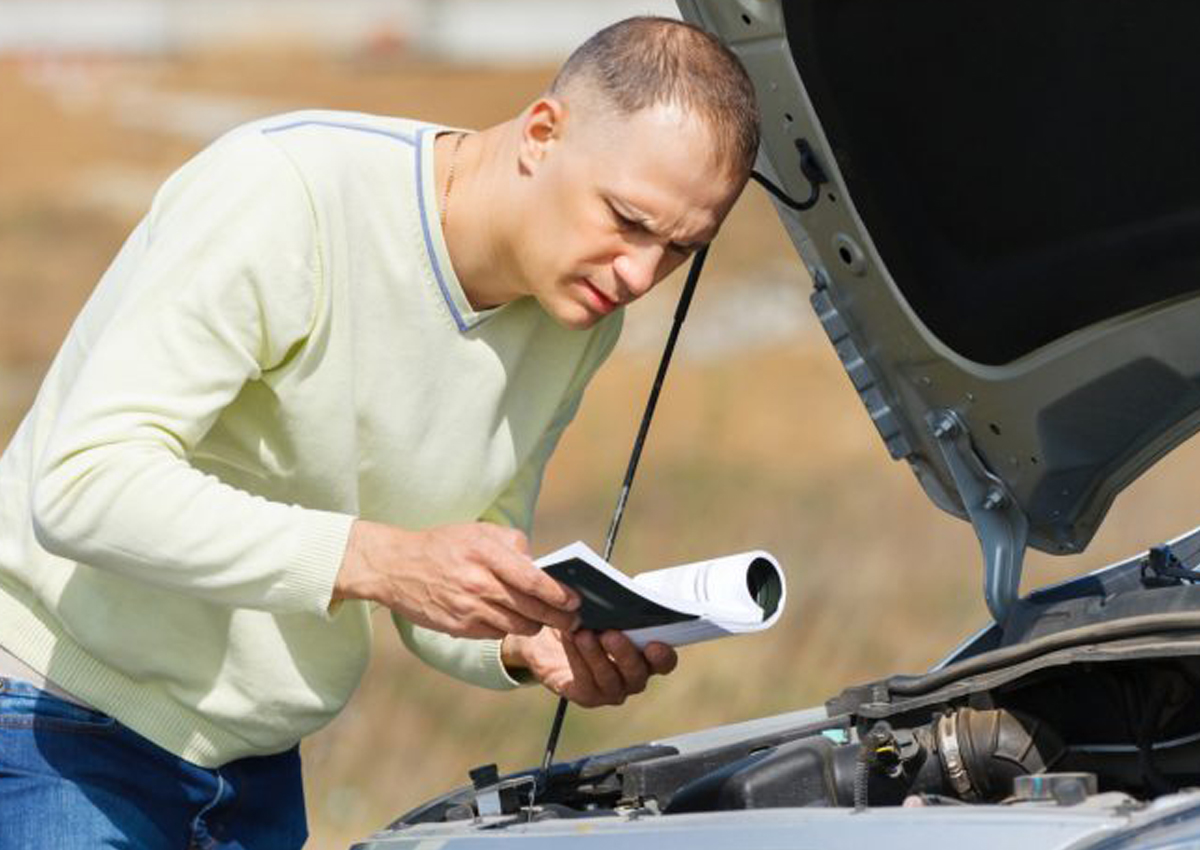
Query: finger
[491,588]
[530,579]
[519,573]
[608,679]
[476,616]
[582,689]
[532,608]
[629,661]
[508,621]
[475,631]
[661,658]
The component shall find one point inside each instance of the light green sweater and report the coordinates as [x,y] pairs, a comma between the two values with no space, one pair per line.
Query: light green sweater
[280,346]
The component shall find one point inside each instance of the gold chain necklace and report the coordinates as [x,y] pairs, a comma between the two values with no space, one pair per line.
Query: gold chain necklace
[458,140]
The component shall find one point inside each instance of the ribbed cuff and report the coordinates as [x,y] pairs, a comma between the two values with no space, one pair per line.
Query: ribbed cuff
[497,676]
[307,585]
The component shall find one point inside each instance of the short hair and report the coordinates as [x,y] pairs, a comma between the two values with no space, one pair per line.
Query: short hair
[646,61]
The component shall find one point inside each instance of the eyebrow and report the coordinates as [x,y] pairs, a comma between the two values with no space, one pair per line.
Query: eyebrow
[631,212]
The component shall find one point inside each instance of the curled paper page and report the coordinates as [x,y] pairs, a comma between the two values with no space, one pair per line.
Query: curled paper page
[734,594]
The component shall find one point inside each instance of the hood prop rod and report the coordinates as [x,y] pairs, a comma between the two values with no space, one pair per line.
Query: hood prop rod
[816,176]
[681,310]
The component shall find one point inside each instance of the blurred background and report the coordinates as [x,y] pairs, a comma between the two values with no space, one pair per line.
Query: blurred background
[759,441]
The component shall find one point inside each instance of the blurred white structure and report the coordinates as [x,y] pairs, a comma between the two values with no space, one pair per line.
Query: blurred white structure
[484,31]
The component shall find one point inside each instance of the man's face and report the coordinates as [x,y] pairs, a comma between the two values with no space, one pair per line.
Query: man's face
[619,203]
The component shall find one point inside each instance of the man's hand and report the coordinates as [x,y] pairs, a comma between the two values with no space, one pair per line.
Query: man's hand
[587,668]
[473,580]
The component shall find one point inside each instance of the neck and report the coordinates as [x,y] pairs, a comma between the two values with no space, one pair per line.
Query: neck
[477,219]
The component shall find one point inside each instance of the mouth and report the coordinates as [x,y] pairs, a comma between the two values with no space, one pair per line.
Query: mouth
[596,299]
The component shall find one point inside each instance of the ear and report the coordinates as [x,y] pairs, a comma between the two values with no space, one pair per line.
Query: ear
[541,129]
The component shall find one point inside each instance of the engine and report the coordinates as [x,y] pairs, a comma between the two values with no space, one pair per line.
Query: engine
[1089,688]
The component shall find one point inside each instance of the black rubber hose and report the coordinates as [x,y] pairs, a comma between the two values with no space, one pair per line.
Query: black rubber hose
[1143,626]
[997,745]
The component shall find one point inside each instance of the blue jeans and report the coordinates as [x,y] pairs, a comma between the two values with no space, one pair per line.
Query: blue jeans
[74,778]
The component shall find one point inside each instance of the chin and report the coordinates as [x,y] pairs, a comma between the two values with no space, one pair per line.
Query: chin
[576,320]
[570,314]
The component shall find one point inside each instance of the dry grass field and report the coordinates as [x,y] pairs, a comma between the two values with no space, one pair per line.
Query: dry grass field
[760,441]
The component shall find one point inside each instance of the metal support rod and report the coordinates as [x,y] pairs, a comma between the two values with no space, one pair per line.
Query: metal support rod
[681,310]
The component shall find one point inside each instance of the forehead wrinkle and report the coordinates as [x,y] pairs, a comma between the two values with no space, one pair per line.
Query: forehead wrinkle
[646,220]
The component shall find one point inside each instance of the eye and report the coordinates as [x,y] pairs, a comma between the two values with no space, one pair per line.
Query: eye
[623,222]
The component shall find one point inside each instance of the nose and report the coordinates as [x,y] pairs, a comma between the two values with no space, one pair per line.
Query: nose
[637,267]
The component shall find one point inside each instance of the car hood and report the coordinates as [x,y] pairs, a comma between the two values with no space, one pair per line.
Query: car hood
[1104,823]
[1005,239]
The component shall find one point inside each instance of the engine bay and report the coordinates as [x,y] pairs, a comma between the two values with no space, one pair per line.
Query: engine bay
[1090,691]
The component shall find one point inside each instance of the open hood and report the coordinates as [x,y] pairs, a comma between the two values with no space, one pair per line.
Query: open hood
[1006,244]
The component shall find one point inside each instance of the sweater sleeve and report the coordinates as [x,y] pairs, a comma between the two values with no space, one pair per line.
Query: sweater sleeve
[221,284]
[478,661]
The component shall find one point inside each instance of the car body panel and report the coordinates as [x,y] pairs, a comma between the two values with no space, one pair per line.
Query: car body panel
[979,827]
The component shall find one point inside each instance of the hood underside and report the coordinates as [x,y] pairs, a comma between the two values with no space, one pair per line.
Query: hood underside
[1006,246]
[1025,169]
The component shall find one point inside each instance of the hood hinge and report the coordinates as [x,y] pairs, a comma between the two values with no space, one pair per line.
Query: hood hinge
[1000,525]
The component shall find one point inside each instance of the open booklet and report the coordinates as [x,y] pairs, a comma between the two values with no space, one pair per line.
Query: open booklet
[676,605]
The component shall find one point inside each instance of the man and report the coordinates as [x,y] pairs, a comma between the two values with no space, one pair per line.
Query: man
[324,374]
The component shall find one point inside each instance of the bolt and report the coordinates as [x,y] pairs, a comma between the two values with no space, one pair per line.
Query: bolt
[994,499]
[944,427]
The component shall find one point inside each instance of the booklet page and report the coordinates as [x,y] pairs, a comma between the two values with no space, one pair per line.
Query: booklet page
[734,594]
